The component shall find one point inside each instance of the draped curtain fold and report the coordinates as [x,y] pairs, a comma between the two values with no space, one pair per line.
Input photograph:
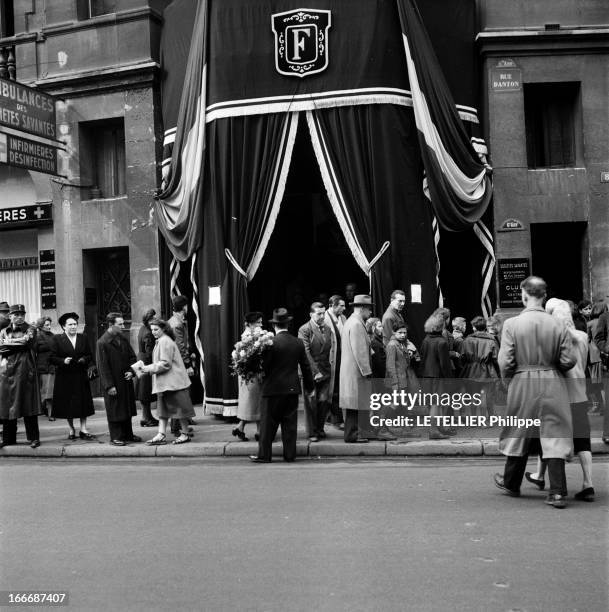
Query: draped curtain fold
[358,149]
[245,185]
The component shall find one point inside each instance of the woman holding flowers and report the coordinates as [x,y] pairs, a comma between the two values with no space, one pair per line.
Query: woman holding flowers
[247,364]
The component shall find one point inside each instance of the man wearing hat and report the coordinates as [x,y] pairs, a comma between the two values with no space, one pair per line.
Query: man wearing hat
[19,389]
[355,368]
[280,389]
[4,318]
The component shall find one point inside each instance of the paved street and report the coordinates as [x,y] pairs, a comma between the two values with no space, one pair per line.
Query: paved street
[224,534]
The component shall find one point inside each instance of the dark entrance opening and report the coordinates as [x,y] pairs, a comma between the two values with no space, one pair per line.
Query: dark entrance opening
[557,256]
[307,257]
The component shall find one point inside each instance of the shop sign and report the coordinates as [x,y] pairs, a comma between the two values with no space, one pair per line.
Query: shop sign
[38,214]
[27,109]
[510,273]
[48,287]
[24,153]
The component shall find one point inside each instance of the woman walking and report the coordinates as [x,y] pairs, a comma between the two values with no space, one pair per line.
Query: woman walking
[46,371]
[71,356]
[170,383]
[143,386]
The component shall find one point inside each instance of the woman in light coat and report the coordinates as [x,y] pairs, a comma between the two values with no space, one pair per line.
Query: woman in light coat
[170,382]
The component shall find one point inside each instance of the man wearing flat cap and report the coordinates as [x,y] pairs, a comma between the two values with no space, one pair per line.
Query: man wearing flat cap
[355,368]
[280,389]
[4,318]
[19,389]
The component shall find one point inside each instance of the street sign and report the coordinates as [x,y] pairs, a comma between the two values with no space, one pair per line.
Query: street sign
[27,109]
[24,153]
[38,214]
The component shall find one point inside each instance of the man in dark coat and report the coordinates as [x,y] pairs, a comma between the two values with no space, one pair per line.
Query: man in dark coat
[319,343]
[393,315]
[19,389]
[114,360]
[280,389]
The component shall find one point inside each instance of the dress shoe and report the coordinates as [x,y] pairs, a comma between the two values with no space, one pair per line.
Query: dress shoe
[35,443]
[135,439]
[586,494]
[72,436]
[85,435]
[149,423]
[558,501]
[499,482]
[256,459]
[118,443]
[240,434]
[539,482]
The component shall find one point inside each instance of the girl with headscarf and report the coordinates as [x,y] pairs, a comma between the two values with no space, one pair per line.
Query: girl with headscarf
[143,387]
[46,371]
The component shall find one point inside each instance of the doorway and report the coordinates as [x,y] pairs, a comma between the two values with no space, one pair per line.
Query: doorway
[558,257]
[307,258]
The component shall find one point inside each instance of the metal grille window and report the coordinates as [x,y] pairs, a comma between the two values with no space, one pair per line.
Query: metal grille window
[551,118]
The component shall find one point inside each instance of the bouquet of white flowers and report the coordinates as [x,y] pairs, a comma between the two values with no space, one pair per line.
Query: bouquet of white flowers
[248,354]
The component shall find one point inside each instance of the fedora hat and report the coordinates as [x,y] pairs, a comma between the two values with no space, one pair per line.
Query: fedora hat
[362,300]
[4,307]
[17,309]
[280,315]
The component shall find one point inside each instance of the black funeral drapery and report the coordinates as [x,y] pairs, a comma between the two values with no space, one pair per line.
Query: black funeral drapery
[359,149]
[245,178]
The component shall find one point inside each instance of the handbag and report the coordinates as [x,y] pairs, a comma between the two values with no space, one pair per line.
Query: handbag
[92,372]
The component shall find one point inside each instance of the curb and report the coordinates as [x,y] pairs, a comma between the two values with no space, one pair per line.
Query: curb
[418,448]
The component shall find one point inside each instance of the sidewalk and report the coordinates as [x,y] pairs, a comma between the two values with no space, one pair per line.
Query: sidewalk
[212,438]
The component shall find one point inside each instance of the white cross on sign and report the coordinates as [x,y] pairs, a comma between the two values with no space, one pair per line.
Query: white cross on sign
[39,213]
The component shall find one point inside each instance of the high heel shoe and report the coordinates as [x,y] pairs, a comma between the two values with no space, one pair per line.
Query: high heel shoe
[72,435]
[240,434]
[85,435]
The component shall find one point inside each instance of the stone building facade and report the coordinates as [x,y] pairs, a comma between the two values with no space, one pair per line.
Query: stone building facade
[100,58]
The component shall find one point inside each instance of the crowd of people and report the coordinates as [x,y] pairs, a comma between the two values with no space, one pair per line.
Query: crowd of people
[46,373]
[331,358]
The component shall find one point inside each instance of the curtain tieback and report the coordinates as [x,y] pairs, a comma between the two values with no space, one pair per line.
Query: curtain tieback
[237,267]
[378,256]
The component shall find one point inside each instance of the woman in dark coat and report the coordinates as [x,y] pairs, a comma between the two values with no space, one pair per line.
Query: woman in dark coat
[143,385]
[435,364]
[374,327]
[46,371]
[71,356]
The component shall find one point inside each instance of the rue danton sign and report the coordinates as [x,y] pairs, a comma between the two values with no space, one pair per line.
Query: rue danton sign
[506,76]
[27,111]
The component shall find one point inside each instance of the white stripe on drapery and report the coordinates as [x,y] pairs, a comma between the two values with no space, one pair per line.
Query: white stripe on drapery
[174,272]
[173,209]
[22,287]
[436,241]
[467,189]
[488,267]
[195,309]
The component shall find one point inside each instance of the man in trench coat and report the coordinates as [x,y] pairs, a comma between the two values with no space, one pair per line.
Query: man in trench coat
[19,389]
[114,360]
[354,369]
[535,350]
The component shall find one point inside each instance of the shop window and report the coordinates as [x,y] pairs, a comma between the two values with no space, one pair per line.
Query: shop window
[93,8]
[7,18]
[552,117]
[102,158]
